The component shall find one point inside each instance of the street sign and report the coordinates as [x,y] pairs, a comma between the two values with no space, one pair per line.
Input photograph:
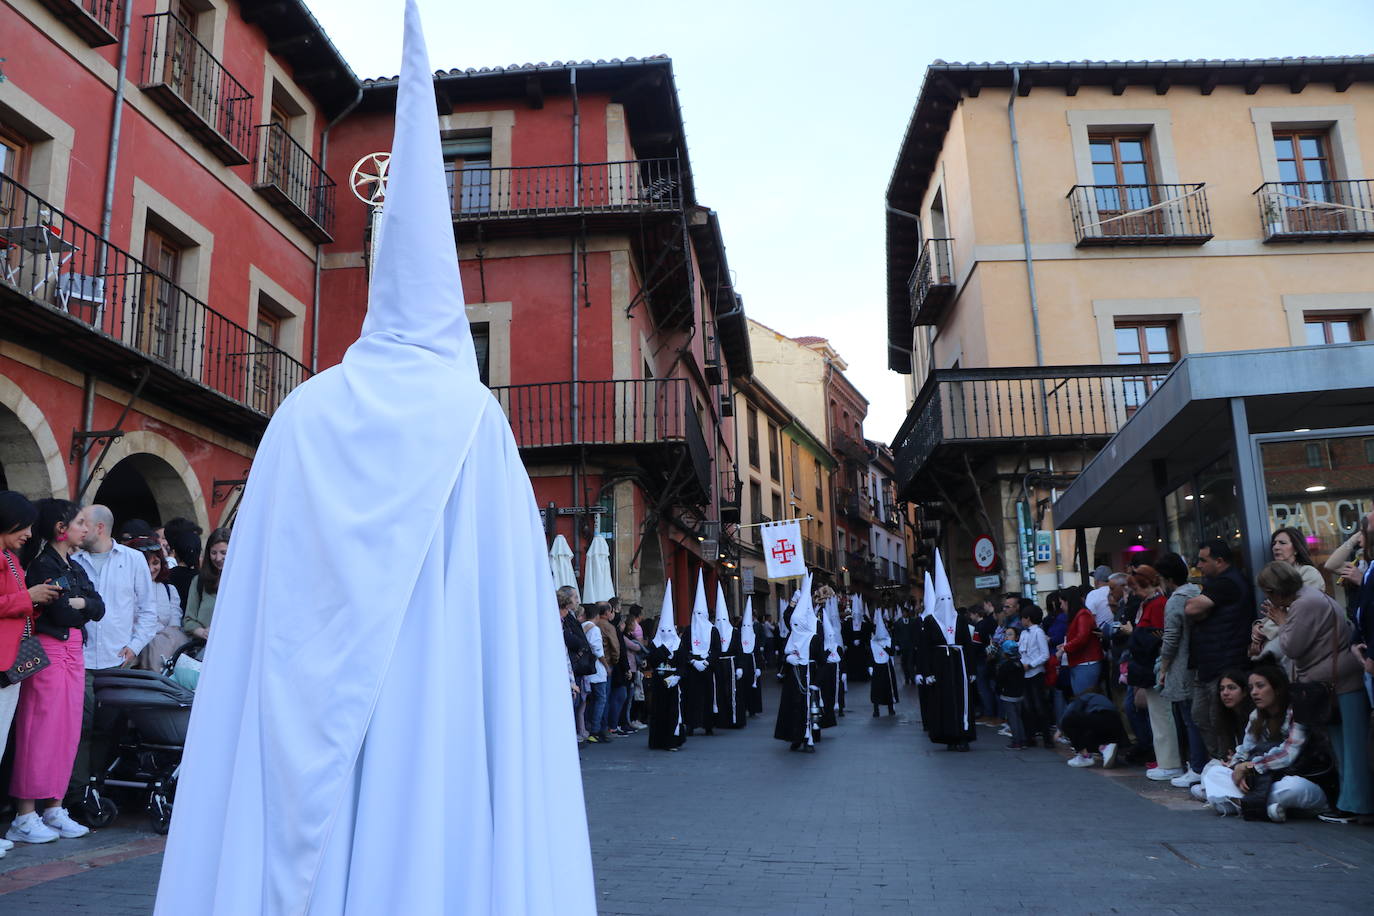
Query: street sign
[984,553]
[1044,546]
[747,579]
[993,581]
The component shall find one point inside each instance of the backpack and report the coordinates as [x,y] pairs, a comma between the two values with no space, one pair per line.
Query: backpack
[579,649]
[1142,652]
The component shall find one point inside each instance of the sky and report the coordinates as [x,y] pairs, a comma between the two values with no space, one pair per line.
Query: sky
[794,110]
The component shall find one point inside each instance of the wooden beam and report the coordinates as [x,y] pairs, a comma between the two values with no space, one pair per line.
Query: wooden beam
[1343,82]
[1071,86]
[534,91]
[322,75]
[256,14]
[443,103]
[1209,82]
[1026,83]
[1119,85]
[975,86]
[1162,85]
[301,42]
[1254,82]
[1300,81]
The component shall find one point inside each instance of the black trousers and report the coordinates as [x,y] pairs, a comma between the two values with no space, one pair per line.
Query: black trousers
[1089,731]
[1035,708]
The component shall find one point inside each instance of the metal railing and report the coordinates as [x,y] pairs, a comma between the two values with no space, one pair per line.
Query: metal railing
[1016,404]
[97,21]
[58,263]
[545,190]
[1316,209]
[934,270]
[294,181]
[850,447]
[816,555]
[176,61]
[847,504]
[1112,214]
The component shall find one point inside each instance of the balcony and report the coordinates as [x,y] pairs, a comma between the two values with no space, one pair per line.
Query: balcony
[816,556]
[1140,214]
[860,567]
[1302,211]
[68,293]
[997,410]
[848,505]
[931,286]
[730,492]
[290,178]
[849,447]
[182,76]
[651,420]
[524,192]
[96,21]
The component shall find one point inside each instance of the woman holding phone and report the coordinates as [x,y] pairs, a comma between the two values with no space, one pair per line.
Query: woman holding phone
[47,726]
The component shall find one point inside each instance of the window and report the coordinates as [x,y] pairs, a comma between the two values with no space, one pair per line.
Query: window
[796,469]
[1304,161]
[1150,341]
[1332,329]
[756,501]
[1369,451]
[777,505]
[481,341]
[264,374]
[1314,455]
[820,487]
[774,454]
[14,159]
[1122,176]
[160,299]
[753,423]
[467,166]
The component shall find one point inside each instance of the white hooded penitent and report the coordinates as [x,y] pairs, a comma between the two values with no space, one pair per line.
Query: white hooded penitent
[701,623]
[596,579]
[667,629]
[881,641]
[928,598]
[382,721]
[560,562]
[723,625]
[803,624]
[746,628]
[945,614]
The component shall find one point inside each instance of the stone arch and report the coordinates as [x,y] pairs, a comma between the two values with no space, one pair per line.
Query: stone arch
[166,471]
[32,460]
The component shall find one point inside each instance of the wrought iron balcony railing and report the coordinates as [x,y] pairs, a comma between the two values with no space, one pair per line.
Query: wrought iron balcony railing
[553,190]
[288,176]
[1295,211]
[848,505]
[181,74]
[96,21]
[931,286]
[84,285]
[817,556]
[1008,406]
[850,447]
[1140,214]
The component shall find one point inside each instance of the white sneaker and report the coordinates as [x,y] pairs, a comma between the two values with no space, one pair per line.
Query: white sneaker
[58,819]
[1276,813]
[1187,780]
[1108,756]
[1004,731]
[1081,760]
[30,829]
[5,844]
[1198,792]
[1159,774]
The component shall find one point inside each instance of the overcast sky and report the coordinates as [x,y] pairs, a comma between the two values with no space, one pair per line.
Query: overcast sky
[794,110]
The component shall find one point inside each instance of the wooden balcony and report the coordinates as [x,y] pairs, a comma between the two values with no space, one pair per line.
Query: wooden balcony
[68,293]
[96,21]
[849,447]
[931,286]
[1140,214]
[182,76]
[986,411]
[650,421]
[1305,211]
[293,182]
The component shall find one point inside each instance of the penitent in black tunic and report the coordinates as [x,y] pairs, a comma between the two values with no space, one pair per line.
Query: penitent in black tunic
[750,689]
[945,709]
[699,687]
[667,727]
[730,711]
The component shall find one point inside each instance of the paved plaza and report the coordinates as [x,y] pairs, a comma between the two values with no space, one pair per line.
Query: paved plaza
[877,821]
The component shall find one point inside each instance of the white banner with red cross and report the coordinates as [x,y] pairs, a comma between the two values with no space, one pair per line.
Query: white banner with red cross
[782,550]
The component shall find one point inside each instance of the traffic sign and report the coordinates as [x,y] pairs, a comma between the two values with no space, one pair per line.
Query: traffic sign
[984,553]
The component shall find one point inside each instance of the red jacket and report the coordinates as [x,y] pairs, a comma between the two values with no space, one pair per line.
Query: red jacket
[1152,613]
[15,607]
[1082,644]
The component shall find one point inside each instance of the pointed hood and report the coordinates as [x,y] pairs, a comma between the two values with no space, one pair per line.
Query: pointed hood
[701,623]
[723,625]
[856,608]
[881,641]
[803,622]
[928,597]
[667,629]
[746,627]
[415,296]
[831,620]
[945,615]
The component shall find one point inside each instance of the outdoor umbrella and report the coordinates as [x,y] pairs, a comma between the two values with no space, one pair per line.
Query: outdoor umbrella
[596,577]
[560,561]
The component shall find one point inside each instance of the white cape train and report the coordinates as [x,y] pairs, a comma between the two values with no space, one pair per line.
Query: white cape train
[383,724]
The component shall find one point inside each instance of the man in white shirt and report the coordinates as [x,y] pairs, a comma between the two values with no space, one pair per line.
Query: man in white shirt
[1103,599]
[120,575]
[596,702]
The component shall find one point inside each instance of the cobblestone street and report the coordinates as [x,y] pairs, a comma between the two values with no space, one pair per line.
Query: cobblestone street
[878,820]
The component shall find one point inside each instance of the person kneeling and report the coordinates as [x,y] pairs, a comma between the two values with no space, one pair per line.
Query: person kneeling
[1277,768]
[1091,722]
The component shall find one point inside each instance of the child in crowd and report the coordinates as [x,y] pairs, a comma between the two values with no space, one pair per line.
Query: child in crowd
[1011,686]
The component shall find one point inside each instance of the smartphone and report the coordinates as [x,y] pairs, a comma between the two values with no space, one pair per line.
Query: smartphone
[63,583]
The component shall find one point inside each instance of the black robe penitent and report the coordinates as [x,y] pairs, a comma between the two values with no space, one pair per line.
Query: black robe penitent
[947,712]
[667,726]
[730,711]
[827,677]
[882,690]
[750,686]
[699,687]
[857,656]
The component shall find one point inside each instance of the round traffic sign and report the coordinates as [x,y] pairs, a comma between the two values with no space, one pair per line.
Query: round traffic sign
[984,553]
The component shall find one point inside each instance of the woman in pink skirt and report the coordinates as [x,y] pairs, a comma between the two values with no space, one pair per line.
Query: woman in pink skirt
[48,724]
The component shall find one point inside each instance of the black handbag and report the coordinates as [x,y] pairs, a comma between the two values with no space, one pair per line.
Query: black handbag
[1254,804]
[29,660]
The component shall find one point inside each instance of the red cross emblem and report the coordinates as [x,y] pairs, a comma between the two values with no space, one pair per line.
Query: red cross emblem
[784,552]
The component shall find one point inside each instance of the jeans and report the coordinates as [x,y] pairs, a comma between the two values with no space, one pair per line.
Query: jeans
[1084,677]
[596,709]
[615,705]
[986,698]
[1197,750]
[1349,742]
[1207,715]
[1011,711]
[1139,719]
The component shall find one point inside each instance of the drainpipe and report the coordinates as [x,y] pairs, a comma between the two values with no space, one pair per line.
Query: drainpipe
[87,423]
[576,400]
[116,123]
[319,249]
[1025,225]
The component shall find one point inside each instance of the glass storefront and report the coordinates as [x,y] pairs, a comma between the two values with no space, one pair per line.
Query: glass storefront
[1218,507]
[1320,485]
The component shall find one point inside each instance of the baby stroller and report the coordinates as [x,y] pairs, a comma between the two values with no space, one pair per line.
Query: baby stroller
[148,714]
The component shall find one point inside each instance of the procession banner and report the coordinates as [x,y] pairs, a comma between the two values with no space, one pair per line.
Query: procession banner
[782,550]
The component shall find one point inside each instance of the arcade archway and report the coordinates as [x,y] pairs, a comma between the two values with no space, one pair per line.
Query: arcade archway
[30,460]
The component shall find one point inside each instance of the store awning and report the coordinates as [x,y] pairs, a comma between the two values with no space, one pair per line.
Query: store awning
[1188,421]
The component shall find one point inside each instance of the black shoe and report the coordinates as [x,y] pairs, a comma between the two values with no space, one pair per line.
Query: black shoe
[795,746]
[1049,743]
[875,712]
[809,749]
[962,746]
[892,710]
[711,732]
